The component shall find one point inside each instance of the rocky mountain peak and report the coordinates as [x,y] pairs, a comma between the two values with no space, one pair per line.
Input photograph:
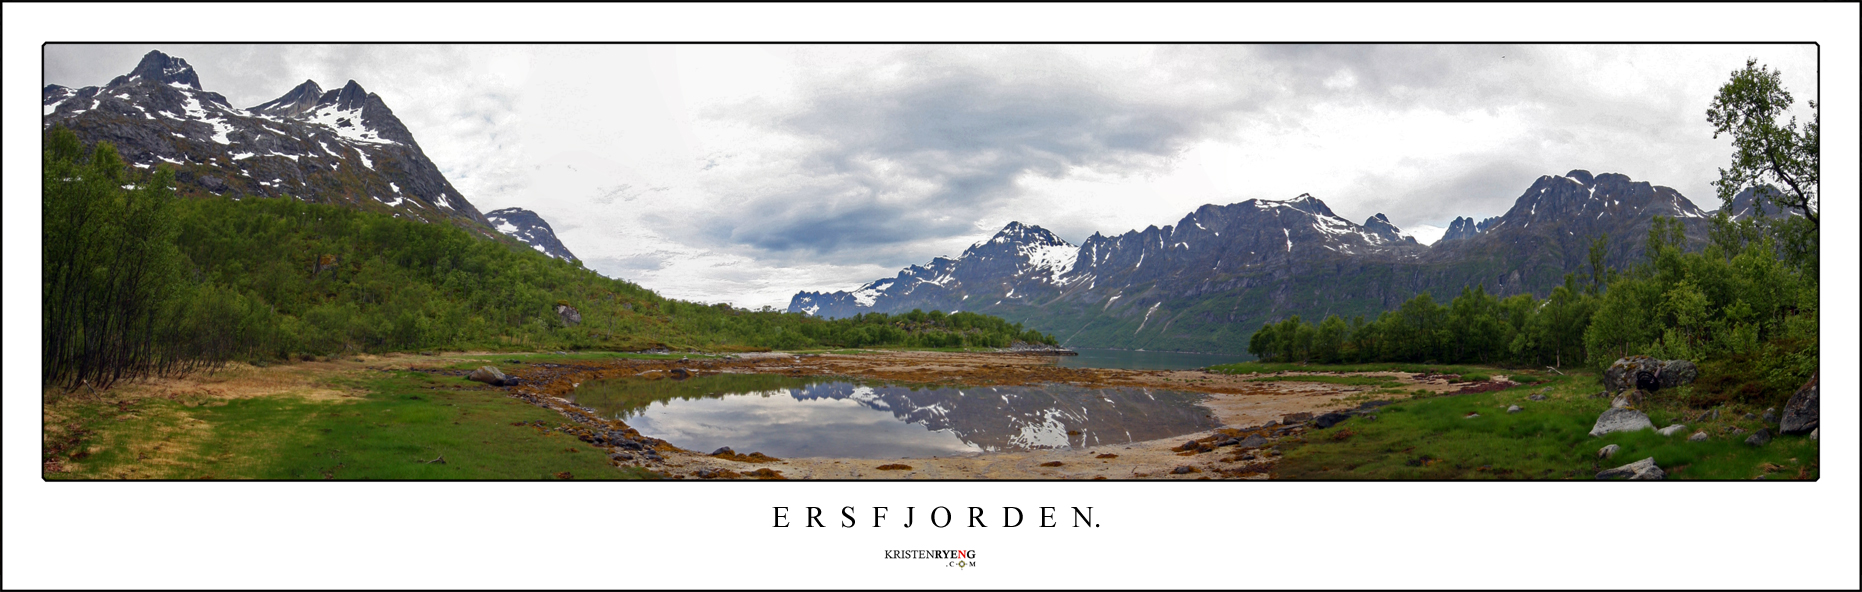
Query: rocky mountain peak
[349,98]
[1467,227]
[160,68]
[298,101]
[1747,202]
[1380,226]
[1309,204]
[1022,234]
[529,228]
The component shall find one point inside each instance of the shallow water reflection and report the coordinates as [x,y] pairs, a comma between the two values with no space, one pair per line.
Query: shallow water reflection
[789,417]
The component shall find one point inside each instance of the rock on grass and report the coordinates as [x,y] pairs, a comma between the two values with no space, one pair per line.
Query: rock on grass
[1642,470]
[1620,420]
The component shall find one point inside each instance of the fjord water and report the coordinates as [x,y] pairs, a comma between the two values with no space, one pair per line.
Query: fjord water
[790,417]
[1144,360]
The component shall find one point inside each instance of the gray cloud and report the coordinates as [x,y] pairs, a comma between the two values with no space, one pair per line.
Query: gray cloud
[967,128]
[1488,189]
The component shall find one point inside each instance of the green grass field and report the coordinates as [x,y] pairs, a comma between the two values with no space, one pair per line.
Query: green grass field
[403,420]
[1432,438]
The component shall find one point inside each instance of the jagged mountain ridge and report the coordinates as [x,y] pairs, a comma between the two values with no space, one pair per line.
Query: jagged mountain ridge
[529,228]
[1208,282]
[343,146]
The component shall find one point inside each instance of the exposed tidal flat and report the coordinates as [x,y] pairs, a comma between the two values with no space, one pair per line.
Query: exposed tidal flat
[856,415]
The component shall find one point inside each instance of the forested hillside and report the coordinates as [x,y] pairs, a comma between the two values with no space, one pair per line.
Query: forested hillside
[139,281]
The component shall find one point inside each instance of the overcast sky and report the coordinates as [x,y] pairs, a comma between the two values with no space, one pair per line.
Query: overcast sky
[744,173]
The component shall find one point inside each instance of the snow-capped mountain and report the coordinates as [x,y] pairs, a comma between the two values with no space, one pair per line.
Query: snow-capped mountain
[342,146]
[1207,282]
[1028,264]
[529,228]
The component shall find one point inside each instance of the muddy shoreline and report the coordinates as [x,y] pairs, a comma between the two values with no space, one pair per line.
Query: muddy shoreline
[1268,411]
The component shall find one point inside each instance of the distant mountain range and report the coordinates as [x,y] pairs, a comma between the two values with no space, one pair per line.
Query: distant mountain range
[1209,281]
[341,146]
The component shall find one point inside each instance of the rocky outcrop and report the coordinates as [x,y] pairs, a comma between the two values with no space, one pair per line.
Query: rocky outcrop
[569,315]
[1620,420]
[1646,373]
[1801,412]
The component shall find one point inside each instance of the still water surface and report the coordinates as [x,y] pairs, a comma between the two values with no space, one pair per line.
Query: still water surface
[790,417]
[1139,360]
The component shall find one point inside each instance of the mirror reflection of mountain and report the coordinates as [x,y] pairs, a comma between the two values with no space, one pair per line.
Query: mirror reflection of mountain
[799,417]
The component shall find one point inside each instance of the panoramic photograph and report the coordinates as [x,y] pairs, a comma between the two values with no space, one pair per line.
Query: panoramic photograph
[736,262]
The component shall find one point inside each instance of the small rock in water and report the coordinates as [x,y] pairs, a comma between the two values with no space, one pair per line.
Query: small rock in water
[1608,451]
[1759,438]
[1670,430]
[1699,436]
[1512,409]
[1642,470]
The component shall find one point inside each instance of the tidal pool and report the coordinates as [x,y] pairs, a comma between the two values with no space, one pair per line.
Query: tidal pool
[790,417]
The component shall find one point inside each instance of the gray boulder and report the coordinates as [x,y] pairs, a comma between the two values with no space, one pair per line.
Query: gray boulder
[1620,420]
[1800,413]
[1678,372]
[1642,470]
[1252,441]
[1608,451]
[1512,409]
[1536,398]
[1670,430]
[1699,436]
[1708,415]
[1770,416]
[488,375]
[1759,438]
[1813,434]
